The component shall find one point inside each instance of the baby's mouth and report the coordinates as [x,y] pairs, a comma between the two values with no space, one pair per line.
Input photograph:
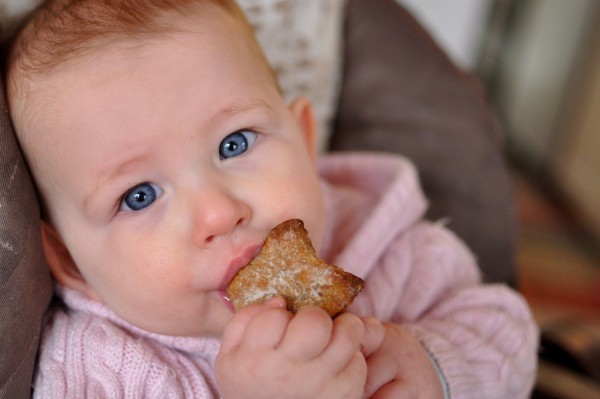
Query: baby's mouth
[225,299]
[236,265]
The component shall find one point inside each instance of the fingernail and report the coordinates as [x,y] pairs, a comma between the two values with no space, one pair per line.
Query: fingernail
[275,302]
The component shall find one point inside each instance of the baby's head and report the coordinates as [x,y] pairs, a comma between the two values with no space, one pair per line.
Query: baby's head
[162,150]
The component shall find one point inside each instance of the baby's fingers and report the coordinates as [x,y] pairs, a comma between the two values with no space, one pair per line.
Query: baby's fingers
[266,329]
[308,334]
[374,335]
[381,372]
[235,330]
[346,339]
[350,381]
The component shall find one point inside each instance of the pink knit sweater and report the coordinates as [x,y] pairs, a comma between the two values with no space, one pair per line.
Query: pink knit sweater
[418,273]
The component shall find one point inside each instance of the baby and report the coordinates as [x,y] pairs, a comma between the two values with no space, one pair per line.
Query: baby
[163,154]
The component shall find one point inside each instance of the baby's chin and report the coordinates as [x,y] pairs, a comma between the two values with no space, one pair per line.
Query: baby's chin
[216,326]
[202,326]
[188,330]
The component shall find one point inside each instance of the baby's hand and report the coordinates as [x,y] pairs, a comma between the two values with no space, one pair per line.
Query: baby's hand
[269,353]
[400,368]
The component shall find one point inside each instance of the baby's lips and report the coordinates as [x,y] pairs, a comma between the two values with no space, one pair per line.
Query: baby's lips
[239,263]
[226,300]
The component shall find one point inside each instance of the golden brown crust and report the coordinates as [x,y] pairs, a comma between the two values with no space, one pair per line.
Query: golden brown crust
[289,267]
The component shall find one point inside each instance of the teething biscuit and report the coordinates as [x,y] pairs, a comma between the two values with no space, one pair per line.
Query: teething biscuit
[289,267]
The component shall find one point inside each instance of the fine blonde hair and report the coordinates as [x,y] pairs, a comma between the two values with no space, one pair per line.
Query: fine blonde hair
[62,30]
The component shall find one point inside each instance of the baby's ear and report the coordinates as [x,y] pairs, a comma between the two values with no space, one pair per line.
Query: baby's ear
[61,263]
[302,111]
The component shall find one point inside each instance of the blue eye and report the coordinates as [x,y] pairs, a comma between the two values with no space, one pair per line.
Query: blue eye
[236,144]
[140,197]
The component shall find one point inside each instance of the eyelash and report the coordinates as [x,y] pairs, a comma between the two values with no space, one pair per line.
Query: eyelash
[249,136]
[154,193]
[121,200]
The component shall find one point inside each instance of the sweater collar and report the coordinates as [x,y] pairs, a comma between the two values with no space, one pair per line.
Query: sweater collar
[369,199]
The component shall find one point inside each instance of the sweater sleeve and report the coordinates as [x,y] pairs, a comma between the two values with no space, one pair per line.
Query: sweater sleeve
[483,337]
[87,356]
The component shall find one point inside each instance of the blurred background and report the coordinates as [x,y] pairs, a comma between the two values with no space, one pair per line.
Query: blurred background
[539,61]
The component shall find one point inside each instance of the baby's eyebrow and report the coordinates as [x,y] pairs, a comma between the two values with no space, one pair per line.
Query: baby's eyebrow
[242,106]
[110,172]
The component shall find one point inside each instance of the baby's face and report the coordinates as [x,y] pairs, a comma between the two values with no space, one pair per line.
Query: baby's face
[166,166]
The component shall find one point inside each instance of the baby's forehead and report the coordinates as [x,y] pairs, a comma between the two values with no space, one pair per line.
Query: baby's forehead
[59,30]
[39,62]
[39,59]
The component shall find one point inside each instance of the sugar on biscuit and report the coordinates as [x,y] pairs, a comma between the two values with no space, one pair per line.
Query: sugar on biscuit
[288,266]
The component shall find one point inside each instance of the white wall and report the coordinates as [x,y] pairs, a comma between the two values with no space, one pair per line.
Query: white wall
[537,73]
[11,11]
[457,25]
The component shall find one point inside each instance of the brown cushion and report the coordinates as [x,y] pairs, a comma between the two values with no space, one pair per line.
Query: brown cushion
[400,93]
[25,285]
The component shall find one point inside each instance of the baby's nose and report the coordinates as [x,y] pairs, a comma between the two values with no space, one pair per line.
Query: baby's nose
[218,214]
